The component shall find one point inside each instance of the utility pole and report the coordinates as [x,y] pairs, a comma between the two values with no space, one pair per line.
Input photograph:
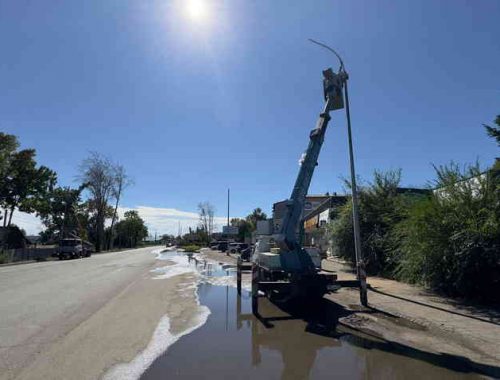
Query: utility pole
[361,272]
[360,265]
[228,197]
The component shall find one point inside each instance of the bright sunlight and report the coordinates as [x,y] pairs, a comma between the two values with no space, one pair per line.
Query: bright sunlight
[197,10]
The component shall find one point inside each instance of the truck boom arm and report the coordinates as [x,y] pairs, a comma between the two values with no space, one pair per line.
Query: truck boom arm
[332,84]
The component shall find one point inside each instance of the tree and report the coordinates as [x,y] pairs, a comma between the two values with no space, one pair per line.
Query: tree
[166,239]
[256,215]
[494,132]
[23,184]
[131,229]
[120,183]
[249,224]
[63,213]
[206,213]
[97,172]
[244,228]
[8,145]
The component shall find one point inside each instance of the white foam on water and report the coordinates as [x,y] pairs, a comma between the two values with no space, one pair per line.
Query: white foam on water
[162,338]
[159,252]
[170,271]
[180,265]
[220,281]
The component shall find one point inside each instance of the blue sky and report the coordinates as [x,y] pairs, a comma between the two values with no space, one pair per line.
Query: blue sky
[192,104]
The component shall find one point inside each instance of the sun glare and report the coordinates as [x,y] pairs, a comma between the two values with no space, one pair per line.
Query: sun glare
[196,10]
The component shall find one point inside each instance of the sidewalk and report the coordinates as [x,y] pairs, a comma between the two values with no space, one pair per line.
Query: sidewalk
[419,319]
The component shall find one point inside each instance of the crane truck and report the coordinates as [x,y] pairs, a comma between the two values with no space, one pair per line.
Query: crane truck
[280,266]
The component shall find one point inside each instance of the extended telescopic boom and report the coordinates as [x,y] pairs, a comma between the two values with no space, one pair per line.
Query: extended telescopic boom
[287,239]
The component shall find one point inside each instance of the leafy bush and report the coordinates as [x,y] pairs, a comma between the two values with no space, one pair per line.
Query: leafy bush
[451,241]
[381,207]
[448,240]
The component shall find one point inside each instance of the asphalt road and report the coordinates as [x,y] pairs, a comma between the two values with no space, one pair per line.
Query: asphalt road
[42,302]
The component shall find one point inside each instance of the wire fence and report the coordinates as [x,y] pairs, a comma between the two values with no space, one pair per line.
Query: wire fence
[26,254]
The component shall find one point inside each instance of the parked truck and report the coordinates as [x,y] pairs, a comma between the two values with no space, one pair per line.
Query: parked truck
[73,248]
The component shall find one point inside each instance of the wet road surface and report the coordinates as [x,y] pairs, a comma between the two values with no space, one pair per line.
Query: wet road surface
[291,342]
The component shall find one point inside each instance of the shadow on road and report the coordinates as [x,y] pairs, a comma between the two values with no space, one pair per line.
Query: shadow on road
[325,317]
[491,314]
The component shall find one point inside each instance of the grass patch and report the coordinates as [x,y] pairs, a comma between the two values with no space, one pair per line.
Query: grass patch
[192,248]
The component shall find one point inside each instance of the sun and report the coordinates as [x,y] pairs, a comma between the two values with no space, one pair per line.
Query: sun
[196,10]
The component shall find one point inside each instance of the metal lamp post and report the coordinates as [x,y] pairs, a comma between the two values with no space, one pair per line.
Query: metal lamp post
[360,265]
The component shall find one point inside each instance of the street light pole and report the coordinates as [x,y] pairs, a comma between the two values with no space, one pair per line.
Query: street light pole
[360,265]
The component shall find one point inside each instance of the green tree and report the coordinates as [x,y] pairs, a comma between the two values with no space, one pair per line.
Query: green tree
[167,238]
[249,224]
[256,215]
[24,185]
[494,132]
[63,213]
[244,228]
[131,230]
[8,145]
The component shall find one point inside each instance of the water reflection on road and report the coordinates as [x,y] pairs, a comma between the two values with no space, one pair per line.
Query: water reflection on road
[289,342]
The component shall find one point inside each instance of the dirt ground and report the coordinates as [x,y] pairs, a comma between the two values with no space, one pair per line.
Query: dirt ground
[414,321]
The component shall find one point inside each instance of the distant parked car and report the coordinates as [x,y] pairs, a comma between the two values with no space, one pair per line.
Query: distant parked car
[233,247]
[237,247]
[222,246]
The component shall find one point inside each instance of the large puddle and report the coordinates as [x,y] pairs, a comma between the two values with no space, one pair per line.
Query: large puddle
[287,342]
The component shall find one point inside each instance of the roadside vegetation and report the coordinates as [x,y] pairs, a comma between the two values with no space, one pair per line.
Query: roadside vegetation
[246,226]
[88,210]
[192,248]
[447,239]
